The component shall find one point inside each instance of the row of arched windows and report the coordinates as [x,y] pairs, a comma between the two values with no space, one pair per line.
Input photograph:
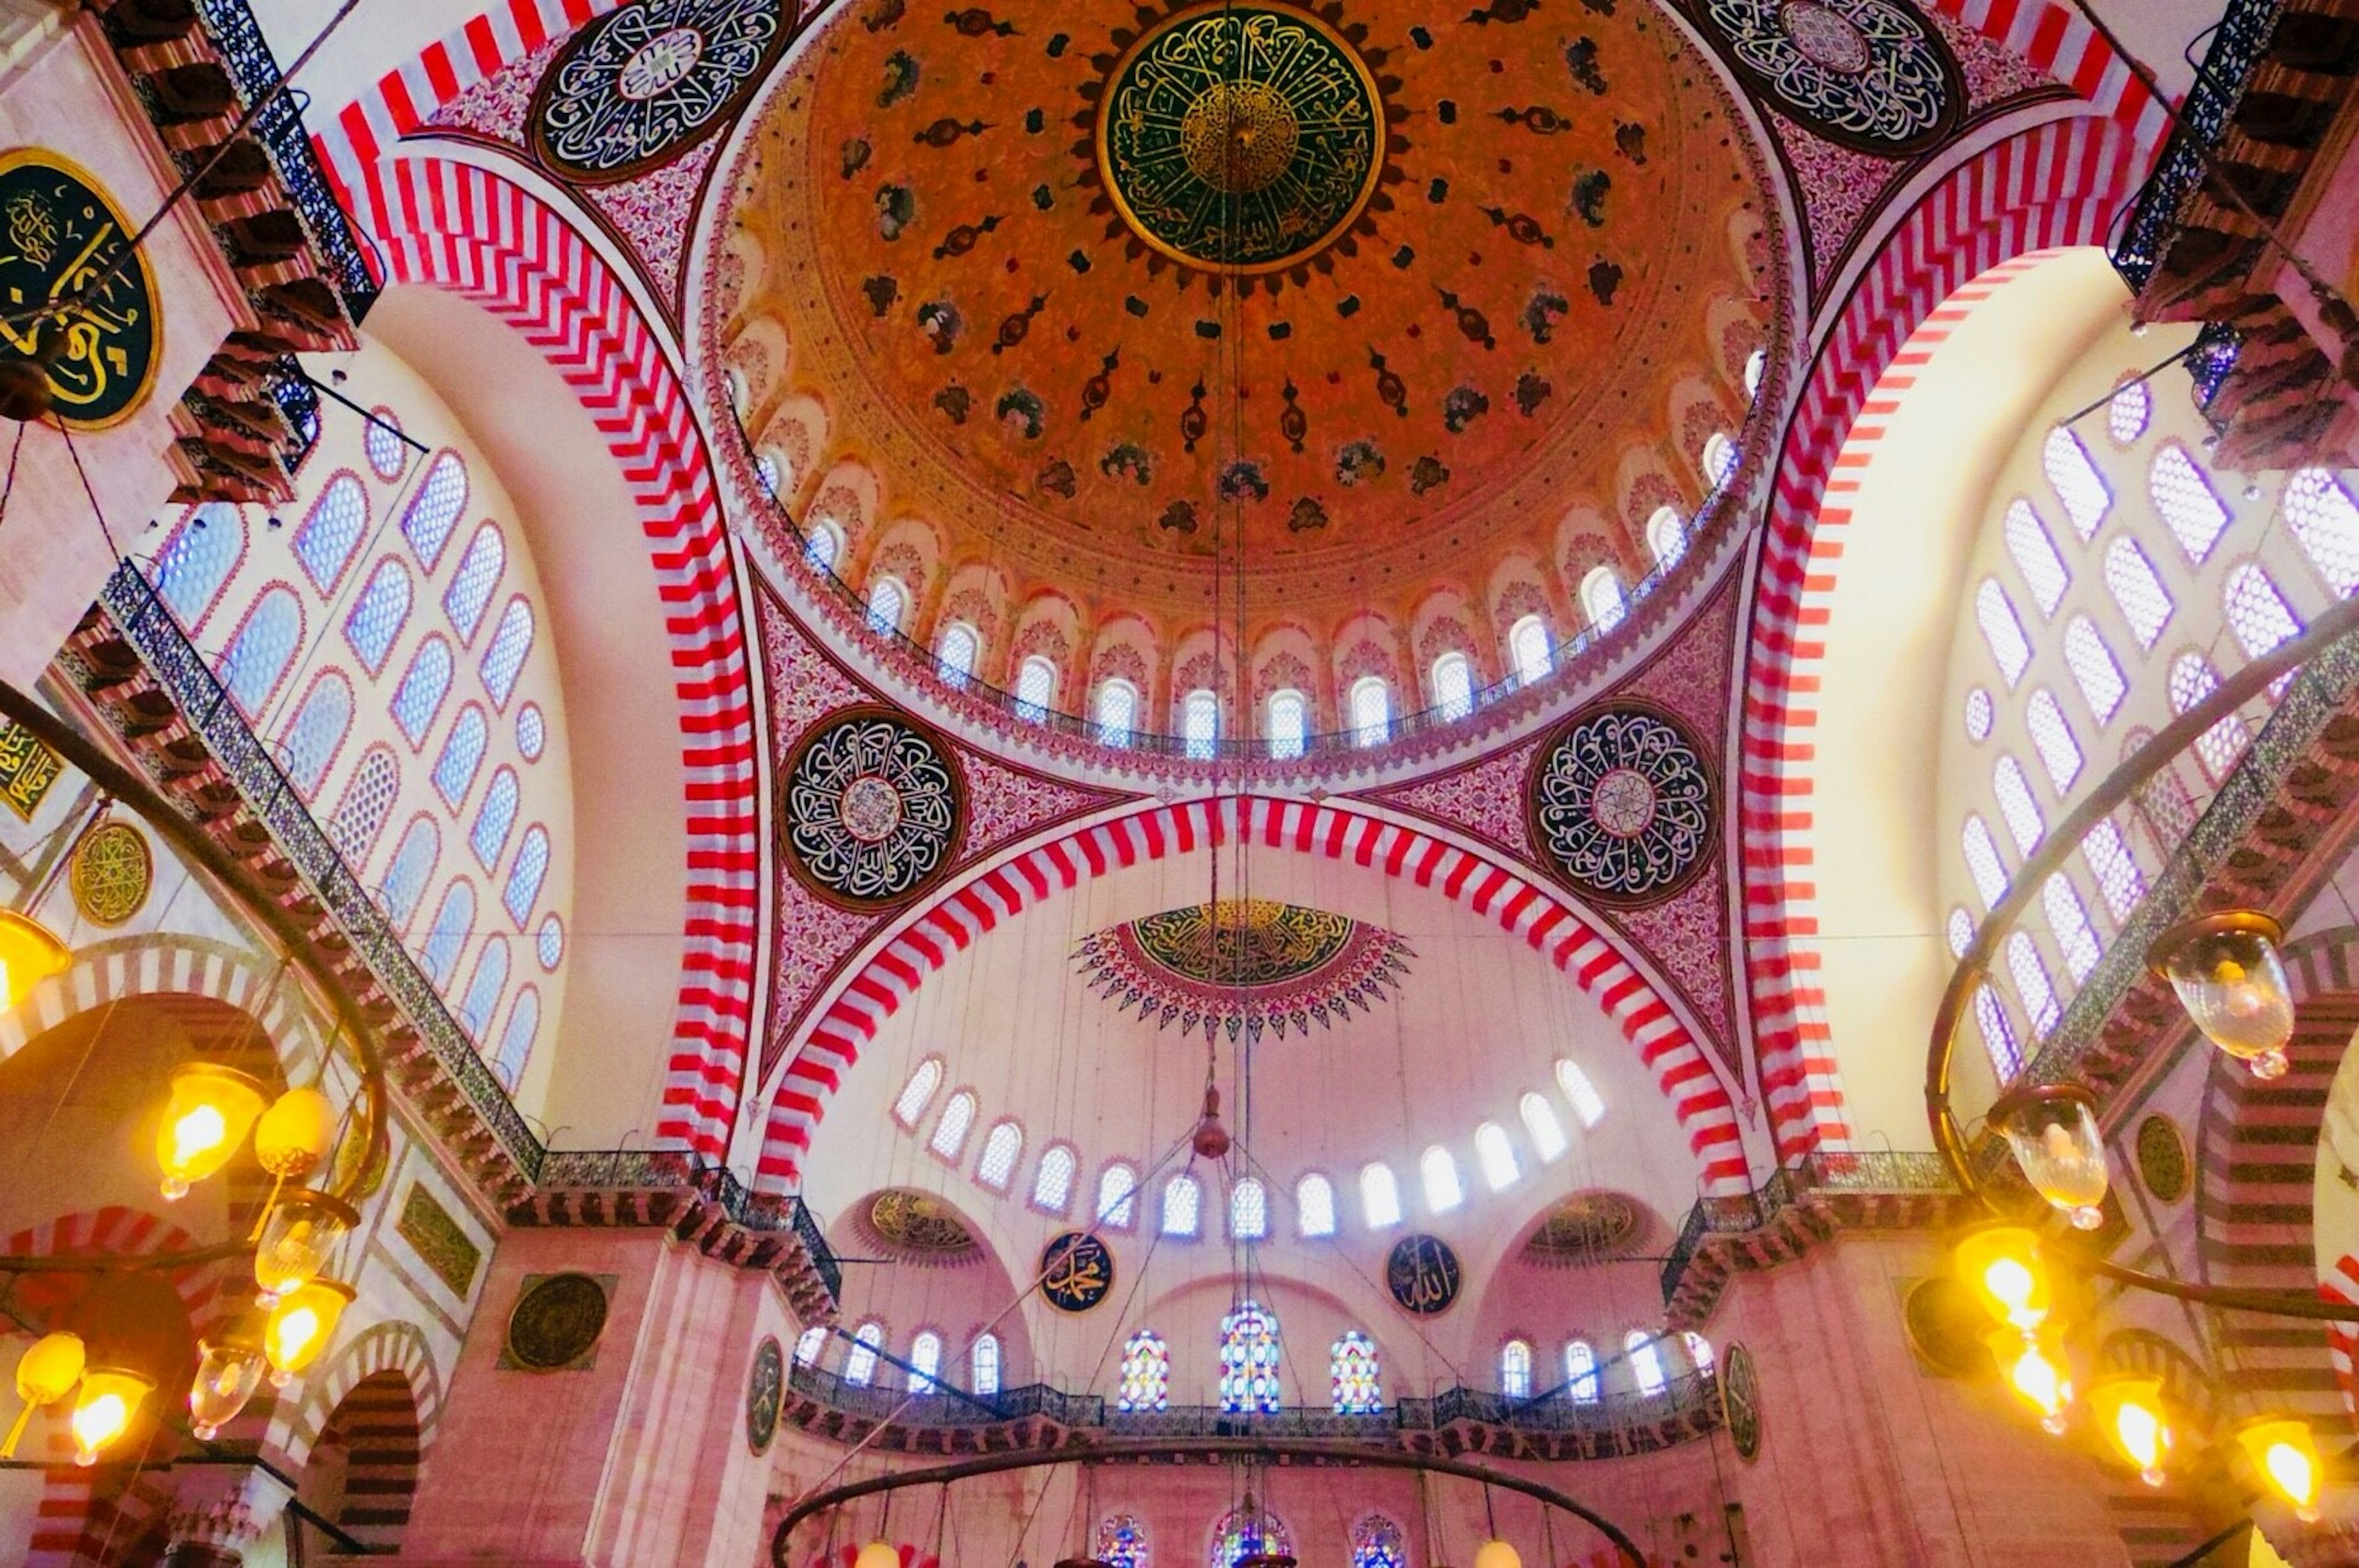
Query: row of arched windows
[1585,1375]
[1180,1200]
[868,1347]
[1252,1533]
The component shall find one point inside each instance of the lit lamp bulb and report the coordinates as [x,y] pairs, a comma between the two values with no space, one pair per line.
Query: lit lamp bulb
[2226,972]
[110,1398]
[290,1141]
[2000,1263]
[29,954]
[204,1122]
[2033,1368]
[301,1326]
[1496,1553]
[297,1237]
[228,1371]
[46,1373]
[2130,1414]
[877,1554]
[2051,1128]
[2283,1451]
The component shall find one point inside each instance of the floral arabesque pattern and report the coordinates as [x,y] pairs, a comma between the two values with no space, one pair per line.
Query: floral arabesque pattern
[1622,804]
[874,809]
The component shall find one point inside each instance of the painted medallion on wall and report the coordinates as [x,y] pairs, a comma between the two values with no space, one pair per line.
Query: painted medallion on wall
[1620,802]
[1871,75]
[920,1226]
[644,83]
[1422,1272]
[64,245]
[1240,139]
[1076,1272]
[557,1322]
[874,805]
[1587,1228]
[1242,966]
[765,1394]
[1740,1402]
[2162,1158]
[111,873]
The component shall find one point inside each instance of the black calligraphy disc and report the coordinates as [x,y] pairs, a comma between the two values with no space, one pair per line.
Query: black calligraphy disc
[765,1391]
[65,251]
[1423,1274]
[1740,1402]
[1076,1272]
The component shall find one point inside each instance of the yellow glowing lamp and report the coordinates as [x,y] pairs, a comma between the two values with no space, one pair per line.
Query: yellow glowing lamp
[204,1122]
[29,954]
[1496,1553]
[294,1135]
[228,1371]
[877,1554]
[2129,1412]
[2000,1263]
[2034,1367]
[2229,979]
[301,1326]
[298,1236]
[46,1373]
[110,1398]
[2283,1451]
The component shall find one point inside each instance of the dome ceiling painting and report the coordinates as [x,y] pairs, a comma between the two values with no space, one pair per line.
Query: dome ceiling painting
[1239,967]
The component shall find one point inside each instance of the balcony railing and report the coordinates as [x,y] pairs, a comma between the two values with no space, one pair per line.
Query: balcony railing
[1869,1171]
[673,1169]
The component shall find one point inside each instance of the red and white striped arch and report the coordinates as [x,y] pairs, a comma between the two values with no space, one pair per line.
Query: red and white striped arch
[925,940]
[2059,184]
[460,228]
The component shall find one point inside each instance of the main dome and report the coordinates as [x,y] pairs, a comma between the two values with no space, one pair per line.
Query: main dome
[1056,316]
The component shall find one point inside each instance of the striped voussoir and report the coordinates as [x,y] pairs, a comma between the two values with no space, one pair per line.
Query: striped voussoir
[926,940]
[382,1355]
[167,965]
[2058,184]
[461,229]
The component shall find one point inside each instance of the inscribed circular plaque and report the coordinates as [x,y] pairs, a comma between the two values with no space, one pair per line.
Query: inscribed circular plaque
[765,1394]
[1076,1272]
[111,873]
[2162,1158]
[66,249]
[874,805]
[1740,1402]
[1621,800]
[1871,75]
[642,84]
[556,1321]
[1422,1272]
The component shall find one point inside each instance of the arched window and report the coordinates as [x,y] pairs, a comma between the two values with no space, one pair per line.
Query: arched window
[380,439]
[1601,597]
[1052,1183]
[316,731]
[1699,1350]
[2126,415]
[1645,1358]
[1117,712]
[1496,1156]
[2192,679]
[2326,522]
[470,593]
[1961,931]
[2093,668]
[961,647]
[769,472]
[1245,1534]
[434,508]
[331,532]
[2067,923]
[2115,868]
[1541,1127]
[1438,1171]
[1035,688]
[503,659]
[483,996]
[1314,1206]
[192,571]
[1528,649]
[1667,536]
[810,1343]
[1372,711]
[1122,1542]
[1995,613]
[2035,556]
[887,600]
[1516,1370]
[823,545]
[949,1132]
[515,1040]
[1200,724]
[1001,1147]
[1580,1380]
[861,1364]
[1354,1376]
[522,888]
[495,818]
[1183,1203]
[413,863]
[1248,1210]
[2032,986]
[1982,862]
[2186,502]
[1249,1360]
[910,1104]
[361,811]
[1289,725]
[1146,1373]
[1587,1103]
[549,943]
[1380,1195]
[983,1365]
[531,732]
[2257,613]
[378,614]
[1453,684]
[2051,737]
[2129,578]
[418,700]
[1719,458]
[462,753]
[2076,480]
[1756,363]
[925,1362]
[1980,712]
[258,655]
[453,918]
[732,380]
[1999,1043]
[2015,806]
[1117,1205]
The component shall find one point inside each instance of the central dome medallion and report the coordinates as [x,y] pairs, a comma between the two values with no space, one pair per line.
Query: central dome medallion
[1240,139]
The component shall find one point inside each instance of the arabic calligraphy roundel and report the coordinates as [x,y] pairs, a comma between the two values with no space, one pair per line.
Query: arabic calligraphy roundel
[644,83]
[62,238]
[1620,801]
[1422,1272]
[874,805]
[1871,75]
[1076,1272]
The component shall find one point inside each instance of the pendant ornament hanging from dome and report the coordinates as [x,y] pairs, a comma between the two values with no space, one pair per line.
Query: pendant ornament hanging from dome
[1243,966]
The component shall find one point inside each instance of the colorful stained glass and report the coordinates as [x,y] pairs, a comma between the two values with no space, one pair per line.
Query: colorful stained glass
[1249,1531]
[1378,1542]
[1249,1360]
[1356,1375]
[1146,1373]
[1122,1542]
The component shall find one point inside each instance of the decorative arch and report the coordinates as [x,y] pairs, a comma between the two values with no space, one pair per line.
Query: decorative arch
[125,968]
[923,942]
[387,1347]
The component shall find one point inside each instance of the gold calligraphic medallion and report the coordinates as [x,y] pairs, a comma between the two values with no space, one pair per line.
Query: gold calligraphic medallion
[1740,1402]
[65,253]
[557,1322]
[27,769]
[1076,1272]
[111,873]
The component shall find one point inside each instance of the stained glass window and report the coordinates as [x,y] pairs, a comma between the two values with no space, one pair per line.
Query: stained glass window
[1379,1196]
[515,1040]
[325,542]
[2032,986]
[1999,1043]
[1995,613]
[1980,712]
[1961,931]
[1035,688]
[1289,724]
[1601,597]
[470,593]
[1516,1370]
[2035,556]
[1248,1210]
[522,888]
[1645,1355]
[258,656]
[949,1132]
[433,510]
[1497,1157]
[1117,712]
[413,863]
[1377,1542]
[1146,1373]
[925,1362]
[1052,1183]
[483,995]
[2093,668]
[2326,522]
[2015,806]
[1667,536]
[1982,862]
[1580,1380]
[1243,1534]
[1183,1202]
[1001,1147]
[1587,1103]
[861,1364]
[1355,1375]
[1314,1205]
[495,818]
[1200,724]
[197,562]
[316,731]
[2115,868]
[886,599]
[2126,415]
[1438,1173]
[362,810]
[810,1343]
[1372,711]
[1527,648]
[1117,1204]
[959,649]
[983,1365]
[2257,613]
[2186,500]
[1541,1126]
[2067,923]
[919,1092]
[462,753]
[454,919]
[532,731]
[2077,482]
[1249,1360]
[418,699]
[378,614]
[2192,680]
[2144,602]
[1122,1542]
[2051,737]
[1453,684]
[503,659]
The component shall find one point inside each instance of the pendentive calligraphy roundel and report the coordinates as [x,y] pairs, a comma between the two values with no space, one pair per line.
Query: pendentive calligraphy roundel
[1076,1272]
[874,805]
[63,241]
[1422,1272]
[1871,75]
[766,1392]
[644,83]
[1622,804]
